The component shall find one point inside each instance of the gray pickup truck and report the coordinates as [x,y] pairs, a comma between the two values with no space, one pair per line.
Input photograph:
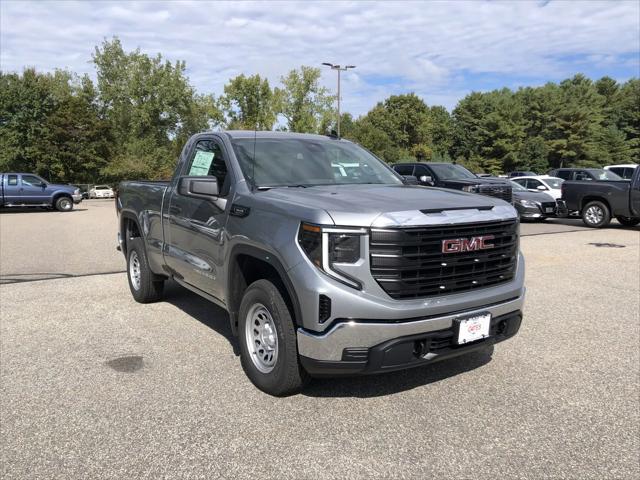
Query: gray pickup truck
[326,261]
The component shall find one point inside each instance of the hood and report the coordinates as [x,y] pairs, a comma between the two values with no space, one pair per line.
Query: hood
[533,196]
[58,186]
[475,181]
[361,205]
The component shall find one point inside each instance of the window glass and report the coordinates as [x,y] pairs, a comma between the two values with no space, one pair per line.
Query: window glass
[301,162]
[12,180]
[565,174]
[31,180]
[404,169]
[522,182]
[422,170]
[450,171]
[601,174]
[533,183]
[554,183]
[208,161]
[628,173]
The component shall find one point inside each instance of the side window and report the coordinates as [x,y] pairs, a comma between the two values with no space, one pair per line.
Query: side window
[628,173]
[12,180]
[422,170]
[566,174]
[533,183]
[31,180]
[583,175]
[618,171]
[208,160]
[404,169]
[522,182]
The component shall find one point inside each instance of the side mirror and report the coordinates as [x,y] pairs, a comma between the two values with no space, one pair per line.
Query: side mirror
[426,179]
[410,180]
[43,185]
[542,188]
[201,187]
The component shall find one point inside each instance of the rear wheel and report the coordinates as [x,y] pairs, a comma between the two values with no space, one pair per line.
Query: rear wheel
[144,285]
[64,204]
[596,214]
[628,221]
[268,346]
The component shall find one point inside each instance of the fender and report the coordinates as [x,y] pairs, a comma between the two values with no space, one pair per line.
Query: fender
[272,260]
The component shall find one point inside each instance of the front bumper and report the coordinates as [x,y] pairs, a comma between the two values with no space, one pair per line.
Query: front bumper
[335,344]
[77,198]
[411,350]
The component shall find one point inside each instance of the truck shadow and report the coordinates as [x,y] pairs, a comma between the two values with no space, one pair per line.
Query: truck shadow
[217,320]
[202,310]
[395,382]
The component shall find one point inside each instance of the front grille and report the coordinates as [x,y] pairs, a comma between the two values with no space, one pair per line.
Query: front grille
[502,192]
[551,205]
[409,263]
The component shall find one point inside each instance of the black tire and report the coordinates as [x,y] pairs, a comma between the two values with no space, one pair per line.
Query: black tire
[628,221]
[64,204]
[145,286]
[287,375]
[596,214]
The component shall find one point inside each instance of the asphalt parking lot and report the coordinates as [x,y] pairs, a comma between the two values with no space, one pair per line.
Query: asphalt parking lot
[94,385]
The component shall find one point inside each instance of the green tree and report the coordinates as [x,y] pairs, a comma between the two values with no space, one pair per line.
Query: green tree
[303,102]
[249,103]
[151,108]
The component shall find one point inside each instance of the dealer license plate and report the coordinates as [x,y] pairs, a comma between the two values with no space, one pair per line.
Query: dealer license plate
[474,328]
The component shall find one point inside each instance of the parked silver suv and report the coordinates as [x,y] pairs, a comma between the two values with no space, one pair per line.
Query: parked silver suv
[325,260]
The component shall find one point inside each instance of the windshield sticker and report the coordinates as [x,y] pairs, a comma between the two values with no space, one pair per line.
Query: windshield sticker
[201,164]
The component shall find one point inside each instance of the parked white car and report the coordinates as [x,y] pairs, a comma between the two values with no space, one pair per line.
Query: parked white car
[101,191]
[542,183]
[624,171]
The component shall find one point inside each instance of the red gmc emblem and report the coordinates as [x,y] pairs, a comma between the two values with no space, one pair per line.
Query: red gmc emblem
[472,244]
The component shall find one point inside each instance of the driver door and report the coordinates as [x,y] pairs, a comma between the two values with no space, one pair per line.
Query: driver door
[195,232]
[33,190]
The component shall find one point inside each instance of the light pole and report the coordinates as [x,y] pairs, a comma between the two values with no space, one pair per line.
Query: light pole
[339,69]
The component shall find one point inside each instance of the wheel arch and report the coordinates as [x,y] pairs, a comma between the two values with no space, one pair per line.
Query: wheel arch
[248,264]
[594,198]
[129,228]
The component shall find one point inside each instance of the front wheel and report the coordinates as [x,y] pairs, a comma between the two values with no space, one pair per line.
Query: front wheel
[596,214]
[64,204]
[628,221]
[268,346]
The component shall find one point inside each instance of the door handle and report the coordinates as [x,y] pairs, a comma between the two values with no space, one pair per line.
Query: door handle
[175,210]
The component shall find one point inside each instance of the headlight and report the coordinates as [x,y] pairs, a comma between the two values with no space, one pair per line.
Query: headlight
[329,247]
[76,191]
[470,188]
[528,203]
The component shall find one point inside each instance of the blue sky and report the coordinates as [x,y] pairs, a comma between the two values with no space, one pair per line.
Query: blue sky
[440,50]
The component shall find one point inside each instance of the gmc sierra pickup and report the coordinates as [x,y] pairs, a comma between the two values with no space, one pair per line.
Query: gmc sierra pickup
[326,262]
[598,201]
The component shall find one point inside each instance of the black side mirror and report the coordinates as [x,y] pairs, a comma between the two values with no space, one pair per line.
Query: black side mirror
[410,180]
[201,187]
[43,185]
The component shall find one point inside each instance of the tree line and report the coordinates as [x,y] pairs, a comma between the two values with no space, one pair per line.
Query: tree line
[134,119]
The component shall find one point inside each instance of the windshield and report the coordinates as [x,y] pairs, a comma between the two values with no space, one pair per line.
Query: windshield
[300,162]
[450,171]
[517,187]
[553,183]
[602,174]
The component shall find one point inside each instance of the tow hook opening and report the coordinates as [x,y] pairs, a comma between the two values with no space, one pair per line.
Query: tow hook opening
[420,348]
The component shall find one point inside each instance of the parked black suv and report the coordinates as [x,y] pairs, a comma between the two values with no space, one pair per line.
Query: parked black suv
[583,174]
[456,177]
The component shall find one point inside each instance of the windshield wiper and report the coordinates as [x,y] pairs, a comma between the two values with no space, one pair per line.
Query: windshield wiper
[268,187]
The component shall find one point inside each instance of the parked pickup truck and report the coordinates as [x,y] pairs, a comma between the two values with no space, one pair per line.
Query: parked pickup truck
[29,190]
[324,270]
[598,201]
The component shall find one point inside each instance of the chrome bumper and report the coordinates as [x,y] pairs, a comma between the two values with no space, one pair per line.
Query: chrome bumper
[77,198]
[348,334]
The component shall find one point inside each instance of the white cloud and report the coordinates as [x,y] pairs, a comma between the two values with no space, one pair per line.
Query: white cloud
[439,49]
